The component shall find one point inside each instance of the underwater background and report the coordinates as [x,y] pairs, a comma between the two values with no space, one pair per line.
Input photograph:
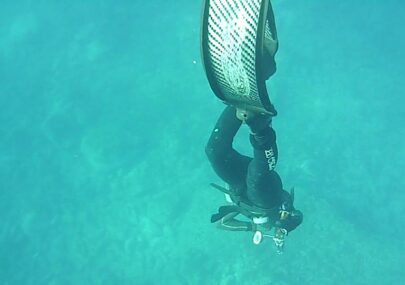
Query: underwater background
[105,112]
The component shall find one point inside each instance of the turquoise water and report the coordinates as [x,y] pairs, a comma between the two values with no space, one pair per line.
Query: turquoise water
[105,111]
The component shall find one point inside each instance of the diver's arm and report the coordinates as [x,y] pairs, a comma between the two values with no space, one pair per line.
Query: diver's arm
[229,223]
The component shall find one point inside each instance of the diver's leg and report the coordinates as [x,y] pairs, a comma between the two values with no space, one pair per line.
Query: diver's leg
[230,165]
[264,186]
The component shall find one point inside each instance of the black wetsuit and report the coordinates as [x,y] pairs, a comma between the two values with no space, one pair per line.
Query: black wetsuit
[252,181]
[253,178]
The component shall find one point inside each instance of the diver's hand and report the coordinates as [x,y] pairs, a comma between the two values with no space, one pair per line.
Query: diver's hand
[279,238]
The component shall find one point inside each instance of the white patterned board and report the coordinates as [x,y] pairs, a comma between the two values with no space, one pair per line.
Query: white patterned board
[232,37]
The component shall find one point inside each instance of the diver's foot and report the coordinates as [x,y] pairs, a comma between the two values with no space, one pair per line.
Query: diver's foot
[244,115]
[257,122]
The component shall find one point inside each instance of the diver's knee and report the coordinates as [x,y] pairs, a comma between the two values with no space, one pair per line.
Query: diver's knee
[209,151]
[216,151]
[212,153]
